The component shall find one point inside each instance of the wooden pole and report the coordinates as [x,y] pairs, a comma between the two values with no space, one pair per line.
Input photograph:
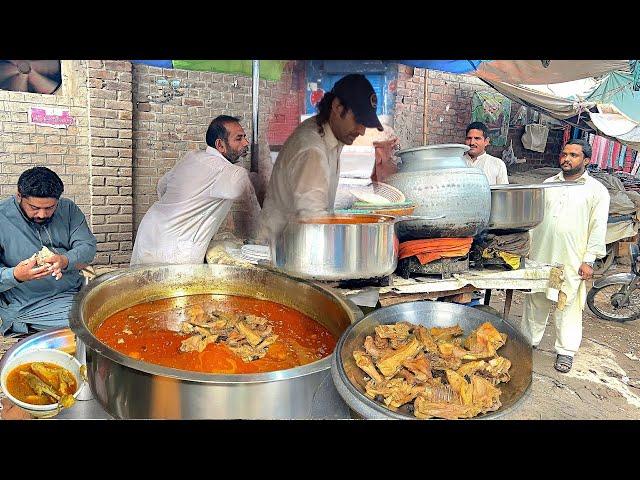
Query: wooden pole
[425,123]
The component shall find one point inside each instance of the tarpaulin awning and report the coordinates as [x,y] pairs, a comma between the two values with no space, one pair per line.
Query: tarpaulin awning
[608,104]
[269,69]
[531,72]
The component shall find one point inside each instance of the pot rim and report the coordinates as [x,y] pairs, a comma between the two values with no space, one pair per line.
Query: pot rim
[465,148]
[78,326]
[533,186]
[378,216]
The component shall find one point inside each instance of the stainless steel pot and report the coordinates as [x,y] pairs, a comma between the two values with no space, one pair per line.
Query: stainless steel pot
[330,248]
[129,388]
[519,207]
[516,207]
[437,179]
[349,379]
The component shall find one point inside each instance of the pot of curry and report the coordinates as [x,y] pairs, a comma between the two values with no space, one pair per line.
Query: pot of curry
[208,341]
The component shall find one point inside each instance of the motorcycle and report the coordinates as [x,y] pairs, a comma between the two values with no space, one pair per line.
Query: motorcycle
[617,297]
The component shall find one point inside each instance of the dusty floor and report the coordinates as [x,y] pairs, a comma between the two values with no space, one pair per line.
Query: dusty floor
[604,382]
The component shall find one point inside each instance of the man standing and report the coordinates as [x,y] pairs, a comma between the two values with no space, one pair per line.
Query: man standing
[35,296]
[572,234]
[477,138]
[305,176]
[195,197]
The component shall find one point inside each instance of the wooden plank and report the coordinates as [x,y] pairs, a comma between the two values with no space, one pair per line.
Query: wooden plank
[391,298]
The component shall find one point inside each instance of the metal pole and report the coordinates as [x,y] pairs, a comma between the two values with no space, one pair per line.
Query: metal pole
[425,118]
[255,101]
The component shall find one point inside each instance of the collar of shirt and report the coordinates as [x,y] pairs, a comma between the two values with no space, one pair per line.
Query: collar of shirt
[581,179]
[329,138]
[477,159]
[215,152]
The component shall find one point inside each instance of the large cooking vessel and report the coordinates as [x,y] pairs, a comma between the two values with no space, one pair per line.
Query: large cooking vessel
[349,379]
[338,247]
[437,179]
[129,388]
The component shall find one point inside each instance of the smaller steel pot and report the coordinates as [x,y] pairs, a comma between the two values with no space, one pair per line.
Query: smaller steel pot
[519,207]
[339,247]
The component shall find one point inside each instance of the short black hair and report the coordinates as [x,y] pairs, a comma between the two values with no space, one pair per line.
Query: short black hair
[586,148]
[218,130]
[40,182]
[478,126]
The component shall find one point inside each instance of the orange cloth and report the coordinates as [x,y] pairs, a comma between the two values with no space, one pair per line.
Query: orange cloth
[432,249]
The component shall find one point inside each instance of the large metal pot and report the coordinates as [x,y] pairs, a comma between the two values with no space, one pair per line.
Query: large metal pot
[437,179]
[349,379]
[129,388]
[338,247]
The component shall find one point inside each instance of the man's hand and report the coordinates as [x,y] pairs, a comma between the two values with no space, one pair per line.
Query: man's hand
[585,271]
[56,263]
[10,411]
[28,270]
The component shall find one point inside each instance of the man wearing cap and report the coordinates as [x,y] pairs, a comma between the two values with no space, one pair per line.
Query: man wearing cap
[305,176]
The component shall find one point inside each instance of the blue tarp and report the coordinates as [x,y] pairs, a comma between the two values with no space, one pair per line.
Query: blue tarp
[451,66]
[617,89]
[155,63]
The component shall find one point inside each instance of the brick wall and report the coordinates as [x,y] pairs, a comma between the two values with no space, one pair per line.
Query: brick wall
[287,104]
[110,137]
[163,132]
[63,150]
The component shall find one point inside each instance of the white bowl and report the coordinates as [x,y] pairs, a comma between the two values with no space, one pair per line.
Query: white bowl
[49,355]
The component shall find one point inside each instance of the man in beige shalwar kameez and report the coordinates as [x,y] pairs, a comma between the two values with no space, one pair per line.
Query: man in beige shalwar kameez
[572,234]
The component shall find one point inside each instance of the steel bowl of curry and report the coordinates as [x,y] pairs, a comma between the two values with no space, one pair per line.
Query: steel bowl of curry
[208,341]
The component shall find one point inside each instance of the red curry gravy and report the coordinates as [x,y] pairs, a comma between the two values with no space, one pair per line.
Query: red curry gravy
[151,332]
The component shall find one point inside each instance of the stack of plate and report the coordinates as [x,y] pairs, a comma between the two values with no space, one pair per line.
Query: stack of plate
[377,193]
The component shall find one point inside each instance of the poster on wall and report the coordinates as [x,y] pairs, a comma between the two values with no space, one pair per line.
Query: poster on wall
[494,111]
[50,117]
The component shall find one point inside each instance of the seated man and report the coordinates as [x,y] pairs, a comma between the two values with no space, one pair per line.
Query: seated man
[31,295]
[195,197]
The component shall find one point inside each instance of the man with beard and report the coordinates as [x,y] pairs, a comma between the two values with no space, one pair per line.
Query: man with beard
[305,176]
[38,293]
[477,138]
[572,234]
[195,197]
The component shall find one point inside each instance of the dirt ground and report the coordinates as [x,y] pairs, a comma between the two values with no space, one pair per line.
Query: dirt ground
[604,382]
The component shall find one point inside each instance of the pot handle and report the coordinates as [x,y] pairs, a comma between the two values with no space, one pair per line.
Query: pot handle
[405,218]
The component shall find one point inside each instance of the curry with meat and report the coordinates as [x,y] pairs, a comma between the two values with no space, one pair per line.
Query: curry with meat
[222,334]
[42,383]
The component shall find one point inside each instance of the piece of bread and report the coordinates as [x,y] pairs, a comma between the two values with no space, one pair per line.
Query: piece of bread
[42,254]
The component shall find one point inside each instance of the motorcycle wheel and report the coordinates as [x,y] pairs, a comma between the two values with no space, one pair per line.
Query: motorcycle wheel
[602,302]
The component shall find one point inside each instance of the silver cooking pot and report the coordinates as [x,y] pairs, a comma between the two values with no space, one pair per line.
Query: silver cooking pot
[333,248]
[128,388]
[519,207]
[350,380]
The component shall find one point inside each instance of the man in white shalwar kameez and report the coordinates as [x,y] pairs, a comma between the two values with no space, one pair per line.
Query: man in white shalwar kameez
[572,234]
[195,197]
